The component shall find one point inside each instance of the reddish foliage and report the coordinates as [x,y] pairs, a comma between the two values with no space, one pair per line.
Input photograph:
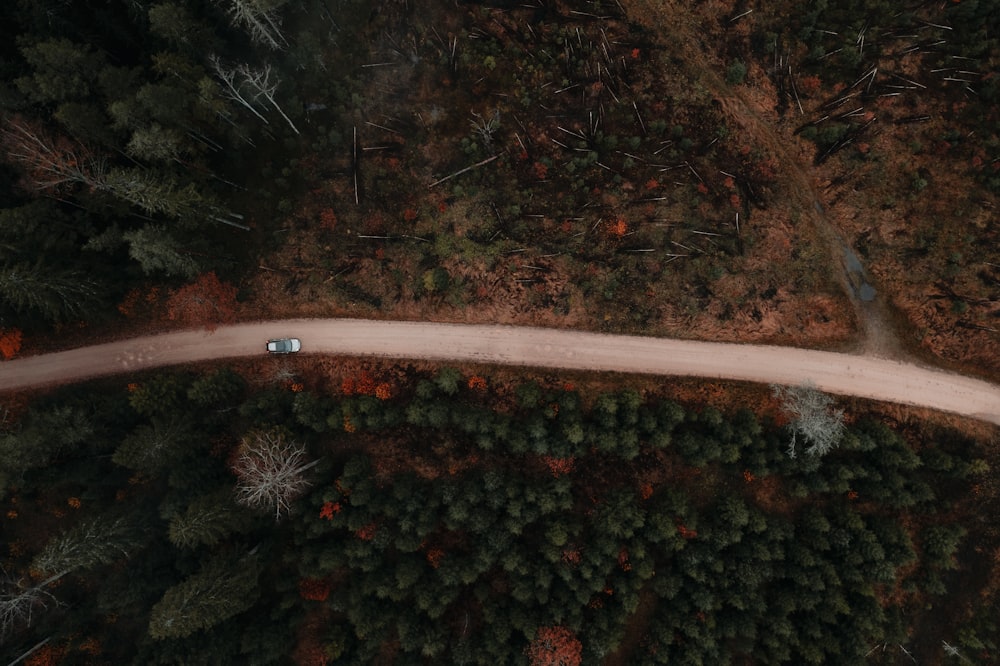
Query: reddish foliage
[541,171]
[618,228]
[314,589]
[646,491]
[329,509]
[409,215]
[128,304]
[362,383]
[734,199]
[366,533]
[348,425]
[685,532]
[766,169]
[703,188]
[852,495]
[748,476]
[809,84]
[10,342]
[137,304]
[47,655]
[328,219]
[559,466]
[477,383]
[623,561]
[205,302]
[572,557]
[434,557]
[555,646]
[383,391]
[50,161]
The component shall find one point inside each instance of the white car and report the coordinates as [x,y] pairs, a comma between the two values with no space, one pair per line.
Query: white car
[284,345]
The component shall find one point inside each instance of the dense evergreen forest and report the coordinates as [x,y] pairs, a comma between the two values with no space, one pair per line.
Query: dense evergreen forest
[196,518]
[142,140]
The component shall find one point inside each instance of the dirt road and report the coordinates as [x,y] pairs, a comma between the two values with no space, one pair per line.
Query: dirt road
[862,376]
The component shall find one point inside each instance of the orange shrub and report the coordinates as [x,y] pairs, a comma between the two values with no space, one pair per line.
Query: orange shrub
[10,342]
[555,646]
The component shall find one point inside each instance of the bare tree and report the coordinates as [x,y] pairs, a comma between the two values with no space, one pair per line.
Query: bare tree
[52,161]
[259,20]
[259,80]
[486,127]
[246,86]
[813,417]
[18,601]
[271,471]
[233,87]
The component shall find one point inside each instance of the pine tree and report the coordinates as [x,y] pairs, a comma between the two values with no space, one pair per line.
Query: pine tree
[158,251]
[207,521]
[150,448]
[221,589]
[97,541]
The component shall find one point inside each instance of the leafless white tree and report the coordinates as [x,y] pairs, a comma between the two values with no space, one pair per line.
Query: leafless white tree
[260,82]
[485,127]
[271,471]
[246,86]
[259,20]
[813,417]
[19,600]
[233,88]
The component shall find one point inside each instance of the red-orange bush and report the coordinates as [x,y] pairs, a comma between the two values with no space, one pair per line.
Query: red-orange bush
[555,646]
[205,302]
[559,466]
[383,391]
[10,342]
[362,383]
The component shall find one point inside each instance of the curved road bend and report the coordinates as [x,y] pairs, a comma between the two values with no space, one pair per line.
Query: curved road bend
[862,376]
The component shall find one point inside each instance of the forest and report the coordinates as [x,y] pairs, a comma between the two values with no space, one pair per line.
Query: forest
[434,517]
[529,162]
[168,163]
